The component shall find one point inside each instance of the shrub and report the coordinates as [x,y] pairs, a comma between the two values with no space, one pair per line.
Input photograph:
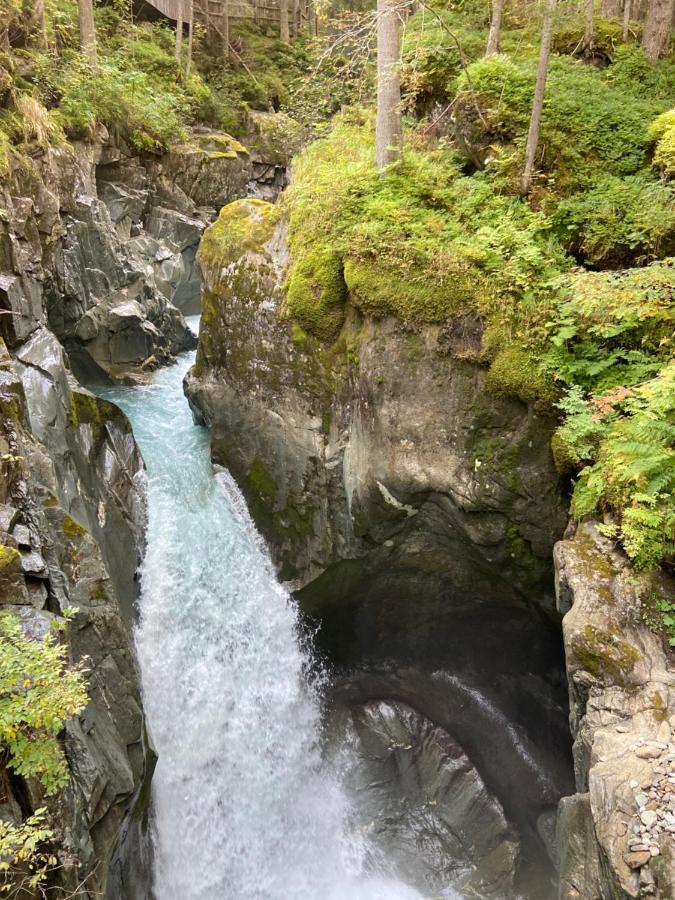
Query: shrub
[611,345]
[619,221]
[612,329]
[634,473]
[126,102]
[662,133]
[590,128]
[39,690]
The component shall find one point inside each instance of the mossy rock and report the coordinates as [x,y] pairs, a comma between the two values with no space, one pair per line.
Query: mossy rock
[86,409]
[10,559]
[242,226]
[514,373]
[317,293]
[380,291]
[604,655]
[274,137]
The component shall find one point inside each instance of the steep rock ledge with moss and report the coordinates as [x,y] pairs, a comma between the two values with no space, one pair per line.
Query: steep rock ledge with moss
[616,833]
[385,449]
[50,562]
[410,504]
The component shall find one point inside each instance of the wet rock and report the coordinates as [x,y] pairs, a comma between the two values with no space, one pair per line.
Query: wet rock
[430,811]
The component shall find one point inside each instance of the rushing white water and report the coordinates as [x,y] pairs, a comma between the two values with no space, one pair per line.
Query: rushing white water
[244,806]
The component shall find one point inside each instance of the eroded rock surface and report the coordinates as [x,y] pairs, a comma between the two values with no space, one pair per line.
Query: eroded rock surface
[617,834]
[51,561]
[382,452]
[424,805]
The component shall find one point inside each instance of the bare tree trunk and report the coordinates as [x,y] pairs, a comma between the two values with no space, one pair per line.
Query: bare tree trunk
[626,19]
[38,23]
[495,28]
[179,33]
[656,34]
[284,29]
[611,9]
[191,28]
[589,30]
[87,30]
[388,132]
[226,29]
[296,18]
[538,102]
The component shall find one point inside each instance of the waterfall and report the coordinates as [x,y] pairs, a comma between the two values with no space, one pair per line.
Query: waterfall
[244,806]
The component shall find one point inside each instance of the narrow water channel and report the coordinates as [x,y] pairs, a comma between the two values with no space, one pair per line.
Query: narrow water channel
[244,805]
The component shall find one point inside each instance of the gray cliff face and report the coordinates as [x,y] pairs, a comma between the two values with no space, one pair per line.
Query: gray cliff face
[383,452]
[61,565]
[97,265]
[616,833]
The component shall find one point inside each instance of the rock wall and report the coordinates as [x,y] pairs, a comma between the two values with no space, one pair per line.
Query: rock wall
[413,511]
[617,833]
[383,451]
[50,562]
[97,263]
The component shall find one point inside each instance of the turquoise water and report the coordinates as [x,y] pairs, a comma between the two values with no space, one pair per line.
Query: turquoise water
[244,805]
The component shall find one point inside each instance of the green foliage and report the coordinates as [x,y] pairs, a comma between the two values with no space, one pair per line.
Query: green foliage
[634,472]
[39,691]
[334,72]
[434,53]
[611,343]
[658,613]
[662,133]
[591,126]
[619,221]
[612,329]
[25,859]
[423,244]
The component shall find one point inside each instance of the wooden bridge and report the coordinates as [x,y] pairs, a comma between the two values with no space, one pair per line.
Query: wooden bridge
[209,13]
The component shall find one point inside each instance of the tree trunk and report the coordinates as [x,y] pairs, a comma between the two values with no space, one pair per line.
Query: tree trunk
[626,19]
[611,9]
[284,29]
[179,33]
[495,28]
[87,30]
[388,132]
[191,23]
[296,18]
[538,102]
[38,23]
[589,30]
[656,34]
[226,29]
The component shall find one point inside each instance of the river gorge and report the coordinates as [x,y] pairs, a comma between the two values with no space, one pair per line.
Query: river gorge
[321,591]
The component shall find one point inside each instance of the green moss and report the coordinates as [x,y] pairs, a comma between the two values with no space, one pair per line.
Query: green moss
[379,290]
[515,373]
[604,654]
[220,145]
[260,481]
[72,529]
[86,409]
[245,225]
[9,557]
[317,293]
